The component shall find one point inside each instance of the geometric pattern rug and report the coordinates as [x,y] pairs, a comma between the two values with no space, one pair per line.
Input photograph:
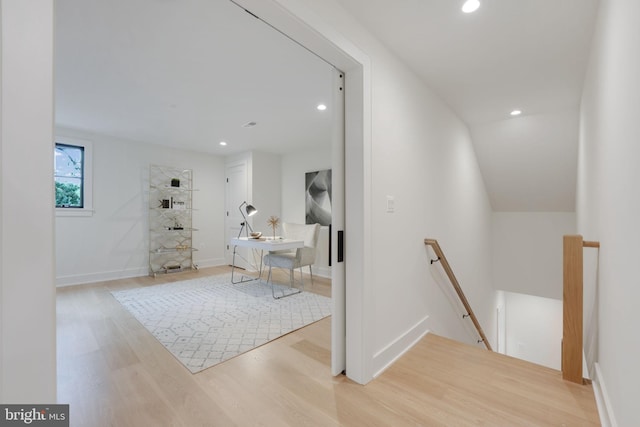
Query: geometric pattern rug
[208,320]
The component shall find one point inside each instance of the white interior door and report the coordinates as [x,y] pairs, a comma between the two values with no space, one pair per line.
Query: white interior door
[237,188]
[338,294]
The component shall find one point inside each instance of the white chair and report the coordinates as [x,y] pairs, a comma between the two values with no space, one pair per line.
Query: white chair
[295,259]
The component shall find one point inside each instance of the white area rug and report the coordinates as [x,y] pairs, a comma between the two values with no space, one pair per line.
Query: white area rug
[208,320]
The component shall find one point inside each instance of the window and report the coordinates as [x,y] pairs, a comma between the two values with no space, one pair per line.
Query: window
[72,176]
[69,176]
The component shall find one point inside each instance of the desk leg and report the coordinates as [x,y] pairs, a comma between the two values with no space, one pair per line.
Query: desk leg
[233,264]
[243,279]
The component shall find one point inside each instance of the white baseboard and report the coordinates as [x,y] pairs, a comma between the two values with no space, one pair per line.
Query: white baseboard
[81,279]
[212,262]
[392,352]
[607,418]
[322,272]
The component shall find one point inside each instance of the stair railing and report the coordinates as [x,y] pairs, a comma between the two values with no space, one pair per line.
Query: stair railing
[447,268]
[572,306]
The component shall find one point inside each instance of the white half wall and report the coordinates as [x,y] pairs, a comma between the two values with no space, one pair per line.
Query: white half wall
[608,201]
[527,251]
[27,291]
[114,242]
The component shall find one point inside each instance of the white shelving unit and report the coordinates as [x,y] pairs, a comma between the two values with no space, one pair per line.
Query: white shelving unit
[170,220]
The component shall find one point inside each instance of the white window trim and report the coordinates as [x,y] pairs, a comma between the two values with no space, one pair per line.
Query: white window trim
[87,210]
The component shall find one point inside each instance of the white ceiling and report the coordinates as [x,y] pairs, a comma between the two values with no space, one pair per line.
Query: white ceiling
[189,73]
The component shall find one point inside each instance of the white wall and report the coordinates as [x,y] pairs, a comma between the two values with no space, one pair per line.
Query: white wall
[27,292]
[527,264]
[527,251]
[266,189]
[423,157]
[294,167]
[533,329]
[608,202]
[114,242]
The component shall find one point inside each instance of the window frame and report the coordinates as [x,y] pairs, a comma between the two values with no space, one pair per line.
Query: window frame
[87,177]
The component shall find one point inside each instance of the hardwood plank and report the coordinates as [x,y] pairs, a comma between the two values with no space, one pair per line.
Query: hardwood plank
[114,373]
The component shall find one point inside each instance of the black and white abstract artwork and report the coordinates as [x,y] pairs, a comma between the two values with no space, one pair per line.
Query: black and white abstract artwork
[318,197]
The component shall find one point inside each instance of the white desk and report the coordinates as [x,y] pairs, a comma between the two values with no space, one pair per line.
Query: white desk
[262,245]
[268,244]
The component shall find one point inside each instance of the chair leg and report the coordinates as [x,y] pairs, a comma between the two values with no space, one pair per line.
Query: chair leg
[269,279]
[291,283]
[301,281]
[311,273]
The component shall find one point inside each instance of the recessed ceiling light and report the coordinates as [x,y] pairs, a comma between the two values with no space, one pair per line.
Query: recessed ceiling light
[516,112]
[321,107]
[223,143]
[470,6]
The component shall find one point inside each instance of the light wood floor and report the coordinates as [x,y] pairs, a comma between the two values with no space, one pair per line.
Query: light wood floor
[112,372]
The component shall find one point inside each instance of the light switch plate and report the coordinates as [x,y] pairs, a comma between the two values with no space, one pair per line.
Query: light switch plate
[391,204]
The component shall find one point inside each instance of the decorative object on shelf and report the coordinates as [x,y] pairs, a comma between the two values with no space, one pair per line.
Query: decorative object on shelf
[170,223]
[172,268]
[250,211]
[273,222]
[178,204]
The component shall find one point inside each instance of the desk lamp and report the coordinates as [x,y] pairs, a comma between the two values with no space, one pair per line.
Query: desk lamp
[250,210]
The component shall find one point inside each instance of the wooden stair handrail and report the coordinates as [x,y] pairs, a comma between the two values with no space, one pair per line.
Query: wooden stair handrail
[572,306]
[447,268]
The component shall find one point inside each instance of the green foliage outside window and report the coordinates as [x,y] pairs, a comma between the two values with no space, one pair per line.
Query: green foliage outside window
[69,175]
[67,194]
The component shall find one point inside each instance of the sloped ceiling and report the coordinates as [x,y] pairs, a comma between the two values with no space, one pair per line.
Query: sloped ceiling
[190,73]
[529,55]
